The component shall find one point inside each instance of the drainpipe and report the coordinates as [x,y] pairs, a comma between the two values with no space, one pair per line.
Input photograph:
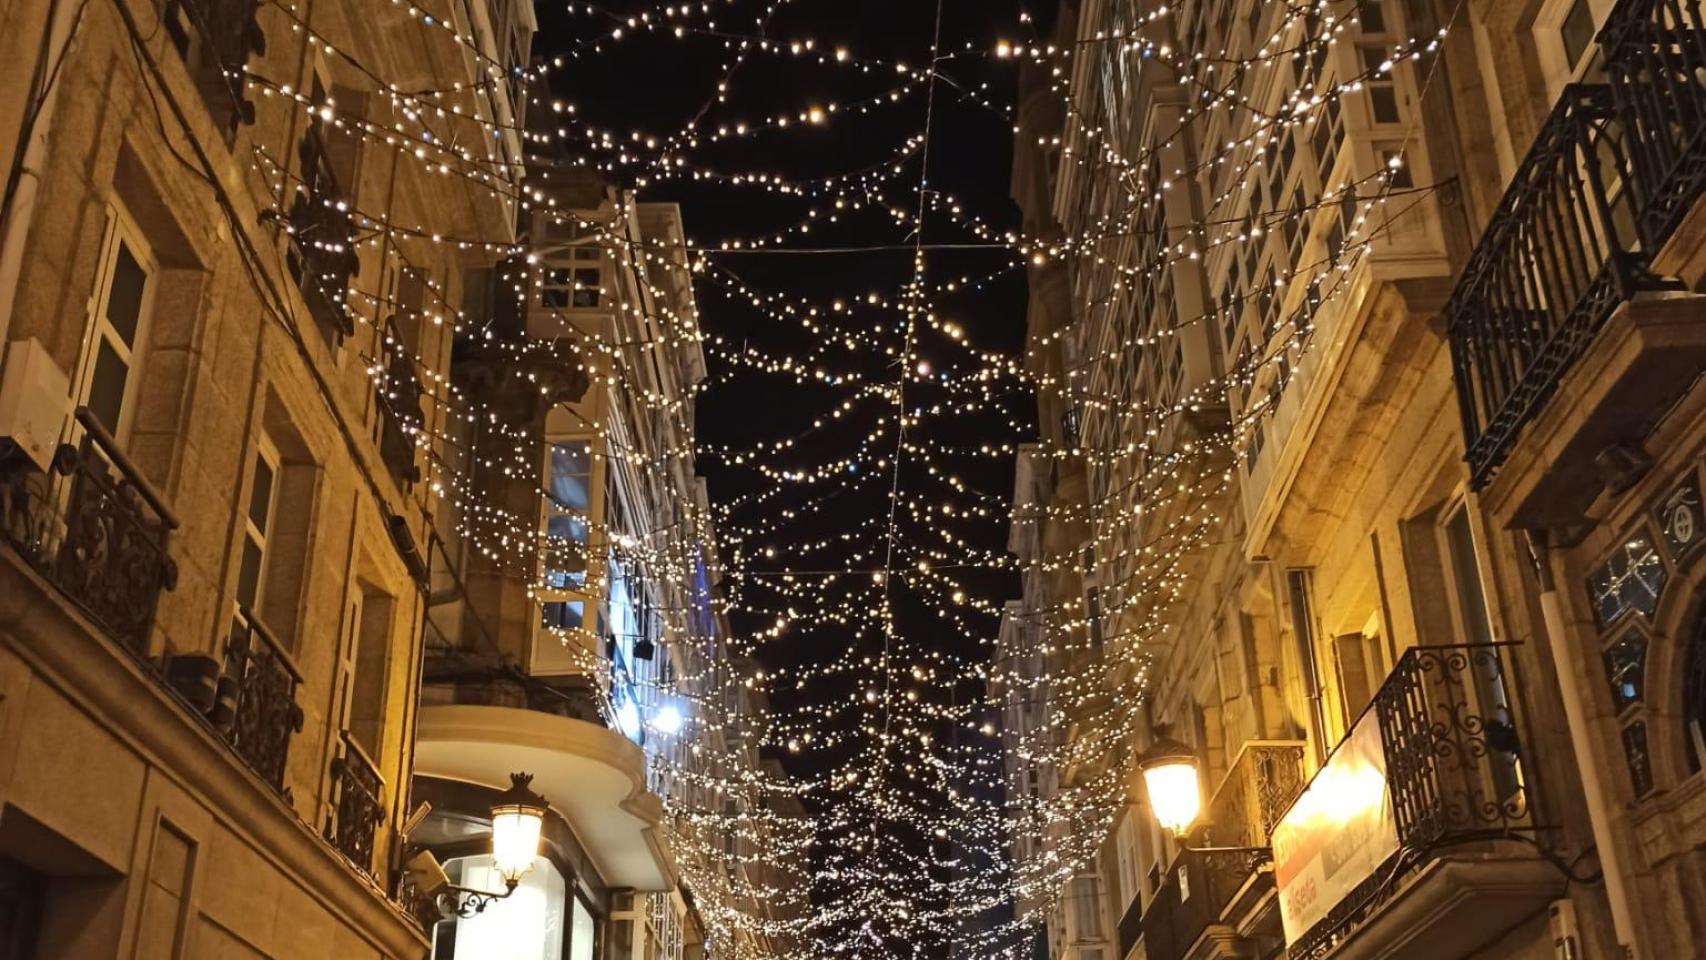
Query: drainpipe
[1581,734]
[24,178]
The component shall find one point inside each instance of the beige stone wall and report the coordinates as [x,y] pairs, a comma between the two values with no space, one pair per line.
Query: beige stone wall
[231,353]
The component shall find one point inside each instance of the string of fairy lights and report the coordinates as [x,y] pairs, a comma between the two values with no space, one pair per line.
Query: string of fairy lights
[800,607]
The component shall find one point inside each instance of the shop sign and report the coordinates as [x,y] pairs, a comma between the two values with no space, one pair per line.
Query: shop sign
[1338,833]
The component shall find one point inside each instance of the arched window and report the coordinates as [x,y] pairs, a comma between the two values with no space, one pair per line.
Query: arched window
[1694,695]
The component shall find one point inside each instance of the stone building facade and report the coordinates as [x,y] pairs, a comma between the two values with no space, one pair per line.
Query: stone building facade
[1388,416]
[217,472]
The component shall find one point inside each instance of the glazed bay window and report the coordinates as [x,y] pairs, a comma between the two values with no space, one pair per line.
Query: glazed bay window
[566,529]
[574,274]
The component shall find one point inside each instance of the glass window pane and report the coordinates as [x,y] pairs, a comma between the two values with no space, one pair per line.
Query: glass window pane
[571,468]
[1466,576]
[249,574]
[124,302]
[260,494]
[583,939]
[565,528]
[1577,31]
[526,925]
[106,388]
[563,614]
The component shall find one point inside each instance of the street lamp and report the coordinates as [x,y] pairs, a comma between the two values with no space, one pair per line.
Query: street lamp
[1170,775]
[518,823]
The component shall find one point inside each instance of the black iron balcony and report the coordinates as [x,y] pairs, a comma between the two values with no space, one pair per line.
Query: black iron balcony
[1655,57]
[1448,740]
[1197,888]
[258,713]
[358,809]
[1131,926]
[1611,176]
[95,528]
[322,254]
[215,38]
[1558,257]
[397,393]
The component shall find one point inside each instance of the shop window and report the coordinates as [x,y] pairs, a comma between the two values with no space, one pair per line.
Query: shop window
[529,924]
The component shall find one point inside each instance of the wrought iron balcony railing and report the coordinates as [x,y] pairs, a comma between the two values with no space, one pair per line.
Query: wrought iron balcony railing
[259,690]
[1266,776]
[1558,257]
[1131,926]
[1448,736]
[1191,898]
[1608,180]
[397,393]
[1655,57]
[358,806]
[322,236]
[94,527]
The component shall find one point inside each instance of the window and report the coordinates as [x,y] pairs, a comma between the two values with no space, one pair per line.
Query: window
[567,505]
[1300,588]
[1391,156]
[1087,906]
[322,255]
[574,276]
[124,292]
[1381,85]
[257,525]
[1373,16]
[526,925]
[1465,575]
[1577,32]
[1358,660]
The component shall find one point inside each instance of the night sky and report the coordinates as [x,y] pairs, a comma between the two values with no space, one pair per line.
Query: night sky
[656,83]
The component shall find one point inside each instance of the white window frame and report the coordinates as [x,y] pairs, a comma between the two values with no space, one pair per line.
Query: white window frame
[98,329]
[1548,30]
[265,452]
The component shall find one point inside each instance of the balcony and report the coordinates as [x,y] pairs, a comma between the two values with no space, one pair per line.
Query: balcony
[359,808]
[1402,846]
[98,531]
[95,528]
[1190,902]
[1225,890]
[482,718]
[1569,253]
[258,713]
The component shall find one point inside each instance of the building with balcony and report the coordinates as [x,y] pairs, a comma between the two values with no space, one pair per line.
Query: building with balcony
[1334,381]
[217,456]
[595,656]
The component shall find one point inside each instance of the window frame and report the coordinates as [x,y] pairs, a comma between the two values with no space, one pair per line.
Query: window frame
[265,452]
[99,329]
[1462,504]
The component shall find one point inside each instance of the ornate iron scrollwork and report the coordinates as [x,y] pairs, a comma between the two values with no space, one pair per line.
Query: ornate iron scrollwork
[264,712]
[360,809]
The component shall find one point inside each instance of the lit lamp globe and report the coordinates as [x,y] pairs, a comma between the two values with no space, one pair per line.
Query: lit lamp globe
[1169,771]
[518,822]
